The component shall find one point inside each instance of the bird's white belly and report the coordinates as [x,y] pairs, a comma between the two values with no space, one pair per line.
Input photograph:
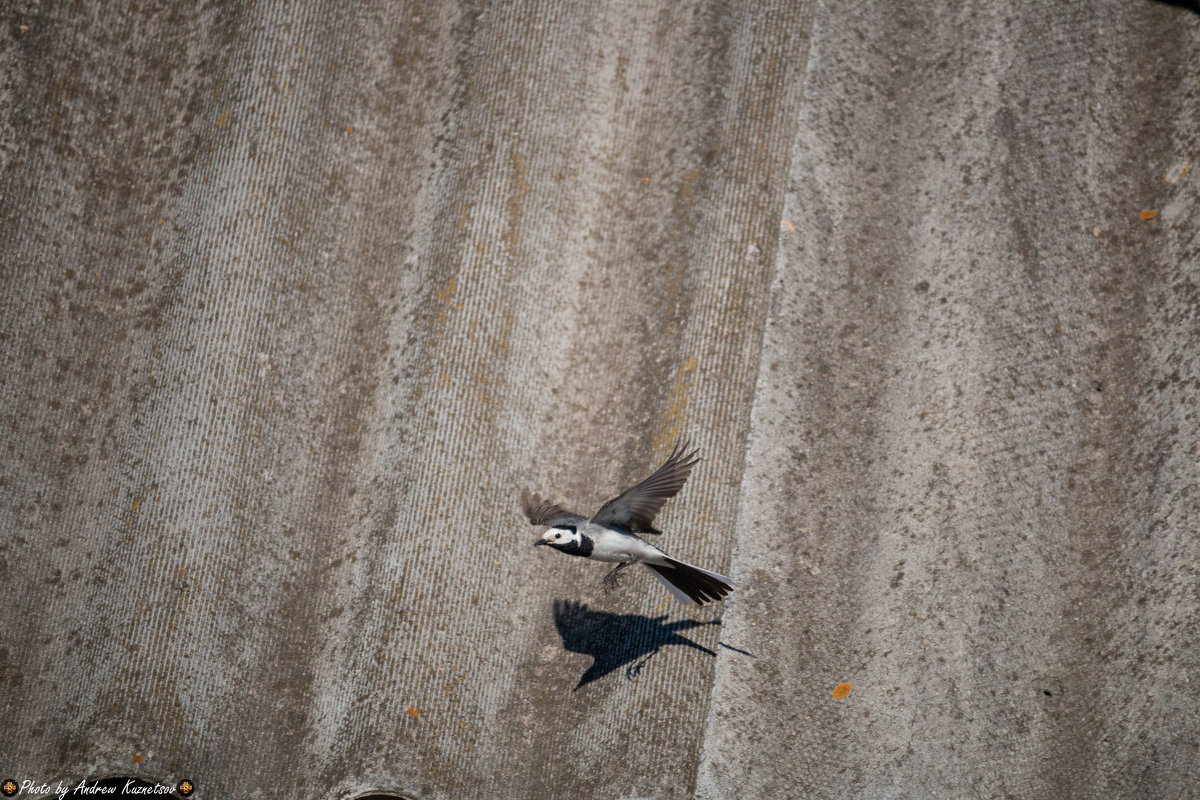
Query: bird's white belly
[615,546]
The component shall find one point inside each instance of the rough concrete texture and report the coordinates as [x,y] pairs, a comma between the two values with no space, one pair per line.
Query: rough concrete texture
[296,297]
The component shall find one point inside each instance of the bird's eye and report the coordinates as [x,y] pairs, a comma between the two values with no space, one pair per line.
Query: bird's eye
[558,536]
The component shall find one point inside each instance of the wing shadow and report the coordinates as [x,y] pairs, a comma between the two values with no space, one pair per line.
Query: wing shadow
[618,640]
[1190,5]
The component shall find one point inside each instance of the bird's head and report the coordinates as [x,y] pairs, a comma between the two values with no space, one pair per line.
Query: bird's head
[560,537]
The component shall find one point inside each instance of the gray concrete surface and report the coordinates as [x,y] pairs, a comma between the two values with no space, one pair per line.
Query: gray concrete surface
[296,297]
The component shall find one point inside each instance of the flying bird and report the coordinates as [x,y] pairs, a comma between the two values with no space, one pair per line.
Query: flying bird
[610,535]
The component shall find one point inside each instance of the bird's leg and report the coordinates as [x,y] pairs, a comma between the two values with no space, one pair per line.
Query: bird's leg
[610,580]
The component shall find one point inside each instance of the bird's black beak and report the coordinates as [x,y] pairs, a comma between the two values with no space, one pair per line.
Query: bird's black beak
[540,541]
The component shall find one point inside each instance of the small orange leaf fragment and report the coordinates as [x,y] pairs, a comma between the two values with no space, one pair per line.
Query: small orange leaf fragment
[841,690]
[412,712]
[138,759]
[1149,213]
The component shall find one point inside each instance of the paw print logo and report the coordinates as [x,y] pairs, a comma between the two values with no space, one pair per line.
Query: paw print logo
[8,788]
[185,788]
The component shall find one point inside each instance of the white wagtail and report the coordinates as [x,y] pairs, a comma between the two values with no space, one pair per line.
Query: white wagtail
[610,534]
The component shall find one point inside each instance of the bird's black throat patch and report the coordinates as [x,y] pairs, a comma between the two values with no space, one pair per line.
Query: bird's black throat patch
[581,548]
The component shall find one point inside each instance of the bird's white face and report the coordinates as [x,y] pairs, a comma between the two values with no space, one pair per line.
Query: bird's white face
[559,536]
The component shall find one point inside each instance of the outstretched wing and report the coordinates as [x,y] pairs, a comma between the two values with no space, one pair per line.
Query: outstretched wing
[547,512]
[634,509]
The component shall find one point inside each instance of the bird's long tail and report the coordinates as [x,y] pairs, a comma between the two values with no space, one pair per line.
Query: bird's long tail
[690,584]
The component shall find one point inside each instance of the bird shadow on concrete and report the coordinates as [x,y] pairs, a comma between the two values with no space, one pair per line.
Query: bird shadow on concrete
[620,640]
[1190,5]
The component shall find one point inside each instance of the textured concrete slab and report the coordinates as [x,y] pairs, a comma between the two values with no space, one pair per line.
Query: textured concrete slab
[971,488]
[294,299]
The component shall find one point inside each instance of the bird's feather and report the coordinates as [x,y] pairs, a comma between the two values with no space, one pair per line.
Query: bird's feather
[680,595]
[691,583]
[547,512]
[634,509]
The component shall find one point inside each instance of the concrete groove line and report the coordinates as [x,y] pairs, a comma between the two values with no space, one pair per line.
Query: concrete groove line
[375,620]
[455,361]
[245,408]
[242,405]
[703,746]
